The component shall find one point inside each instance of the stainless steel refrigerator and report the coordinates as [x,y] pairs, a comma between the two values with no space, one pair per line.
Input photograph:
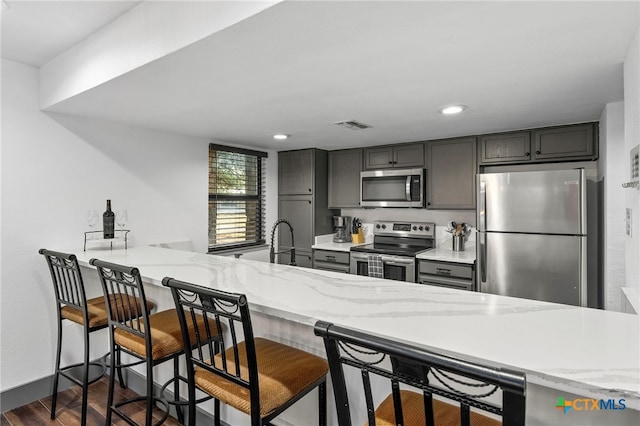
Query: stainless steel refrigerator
[532,235]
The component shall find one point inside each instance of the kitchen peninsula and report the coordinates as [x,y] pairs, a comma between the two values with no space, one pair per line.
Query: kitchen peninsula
[565,351]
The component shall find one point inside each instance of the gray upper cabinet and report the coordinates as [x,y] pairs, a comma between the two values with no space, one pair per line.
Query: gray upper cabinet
[296,172]
[398,156]
[505,147]
[564,142]
[344,178]
[451,172]
[561,143]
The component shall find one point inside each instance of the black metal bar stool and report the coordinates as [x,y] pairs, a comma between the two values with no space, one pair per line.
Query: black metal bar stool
[152,339]
[415,375]
[257,376]
[72,305]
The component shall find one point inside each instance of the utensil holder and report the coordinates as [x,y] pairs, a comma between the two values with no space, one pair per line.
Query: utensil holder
[458,242]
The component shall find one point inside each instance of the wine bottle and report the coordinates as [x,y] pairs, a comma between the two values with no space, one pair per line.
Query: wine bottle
[108,221]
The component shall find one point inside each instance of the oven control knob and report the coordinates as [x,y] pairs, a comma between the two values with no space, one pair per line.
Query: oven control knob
[422,228]
[426,228]
[384,226]
[415,227]
[378,226]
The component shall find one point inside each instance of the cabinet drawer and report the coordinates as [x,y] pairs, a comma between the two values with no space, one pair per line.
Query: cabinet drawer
[328,256]
[330,266]
[446,269]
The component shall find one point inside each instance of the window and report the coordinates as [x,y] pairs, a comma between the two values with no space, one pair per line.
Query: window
[236,197]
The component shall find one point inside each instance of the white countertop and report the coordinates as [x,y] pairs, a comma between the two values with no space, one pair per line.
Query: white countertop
[585,351]
[325,242]
[445,253]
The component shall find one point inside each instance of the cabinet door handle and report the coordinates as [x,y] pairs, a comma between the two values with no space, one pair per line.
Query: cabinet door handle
[309,201]
[526,154]
[443,271]
[538,152]
[309,189]
[390,162]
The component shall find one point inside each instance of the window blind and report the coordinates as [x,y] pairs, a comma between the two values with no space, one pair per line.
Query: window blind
[237,188]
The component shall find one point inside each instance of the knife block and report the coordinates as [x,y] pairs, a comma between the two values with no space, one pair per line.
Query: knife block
[358,238]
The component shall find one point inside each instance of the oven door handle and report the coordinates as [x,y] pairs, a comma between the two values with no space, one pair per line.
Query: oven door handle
[359,256]
[396,261]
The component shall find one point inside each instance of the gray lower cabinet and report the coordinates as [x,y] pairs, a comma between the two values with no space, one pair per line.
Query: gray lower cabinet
[331,260]
[396,156]
[451,174]
[446,274]
[305,208]
[559,143]
[345,166]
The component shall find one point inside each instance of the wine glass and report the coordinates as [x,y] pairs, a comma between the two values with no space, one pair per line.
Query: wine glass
[92,219]
[121,219]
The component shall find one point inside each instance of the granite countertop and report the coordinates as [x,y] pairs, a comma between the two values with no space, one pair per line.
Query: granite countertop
[589,352]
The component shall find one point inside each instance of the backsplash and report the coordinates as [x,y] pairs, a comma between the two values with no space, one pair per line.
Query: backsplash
[440,217]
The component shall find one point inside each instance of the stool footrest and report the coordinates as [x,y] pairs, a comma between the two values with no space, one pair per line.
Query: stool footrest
[116,409]
[180,402]
[74,372]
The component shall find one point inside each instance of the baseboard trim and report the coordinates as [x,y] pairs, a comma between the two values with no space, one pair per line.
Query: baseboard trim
[29,392]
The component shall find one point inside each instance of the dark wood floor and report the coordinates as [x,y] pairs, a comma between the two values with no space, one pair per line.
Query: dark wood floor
[68,410]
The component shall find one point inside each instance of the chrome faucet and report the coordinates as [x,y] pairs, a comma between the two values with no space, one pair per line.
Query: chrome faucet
[272,250]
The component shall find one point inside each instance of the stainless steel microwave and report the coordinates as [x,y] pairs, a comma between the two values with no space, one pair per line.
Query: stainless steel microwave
[392,188]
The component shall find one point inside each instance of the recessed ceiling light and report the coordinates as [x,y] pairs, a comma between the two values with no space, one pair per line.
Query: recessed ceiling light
[452,109]
[281,136]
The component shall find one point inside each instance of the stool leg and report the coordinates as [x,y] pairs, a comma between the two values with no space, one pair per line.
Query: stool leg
[112,377]
[322,404]
[150,401]
[85,377]
[54,397]
[216,411]
[176,388]
[123,385]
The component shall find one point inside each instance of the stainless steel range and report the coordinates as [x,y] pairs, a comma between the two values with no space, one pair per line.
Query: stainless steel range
[392,255]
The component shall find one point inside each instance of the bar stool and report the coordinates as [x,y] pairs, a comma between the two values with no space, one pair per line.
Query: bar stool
[415,375]
[152,339]
[72,305]
[257,376]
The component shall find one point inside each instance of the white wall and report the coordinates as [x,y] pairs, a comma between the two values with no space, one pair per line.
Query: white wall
[56,167]
[632,139]
[612,154]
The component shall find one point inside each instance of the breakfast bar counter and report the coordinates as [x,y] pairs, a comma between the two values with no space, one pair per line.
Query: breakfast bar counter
[567,350]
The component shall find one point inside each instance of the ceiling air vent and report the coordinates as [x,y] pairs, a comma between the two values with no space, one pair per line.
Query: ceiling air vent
[352,124]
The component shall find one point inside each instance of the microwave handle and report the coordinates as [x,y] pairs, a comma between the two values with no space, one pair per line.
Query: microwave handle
[408,188]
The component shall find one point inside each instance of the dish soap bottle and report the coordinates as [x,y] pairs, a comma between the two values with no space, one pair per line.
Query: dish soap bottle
[108,222]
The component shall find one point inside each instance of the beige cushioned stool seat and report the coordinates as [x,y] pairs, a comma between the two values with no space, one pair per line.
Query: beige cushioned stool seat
[97,311]
[166,335]
[283,372]
[413,412]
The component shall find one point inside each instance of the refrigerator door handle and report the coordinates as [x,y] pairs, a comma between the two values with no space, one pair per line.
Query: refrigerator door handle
[482,207]
[482,260]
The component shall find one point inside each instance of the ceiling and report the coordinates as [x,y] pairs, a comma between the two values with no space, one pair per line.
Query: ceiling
[34,32]
[300,66]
